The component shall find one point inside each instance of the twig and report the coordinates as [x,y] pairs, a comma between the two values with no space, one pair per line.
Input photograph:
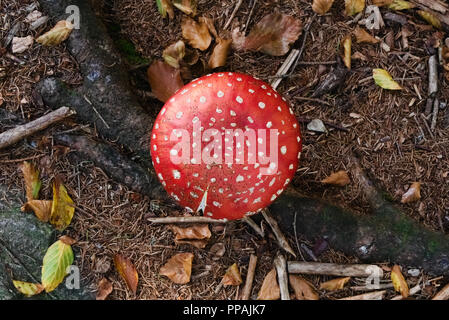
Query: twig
[327,123]
[334,269]
[282,240]
[254,225]
[14,135]
[22,159]
[436,107]
[237,6]
[95,109]
[249,277]
[281,268]
[375,295]
[165,220]
[296,238]
[443,294]
[249,16]
[312,63]
[412,291]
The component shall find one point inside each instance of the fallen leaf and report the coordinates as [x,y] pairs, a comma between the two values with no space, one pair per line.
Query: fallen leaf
[178,268]
[164,80]
[196,33]
[165,7]
[218,249]
[127,271]
[32,182]
[400,5]
[62,208]
[363,36]
[399,283]
[271,35]
[104,289]
[27,288]
[354,6]
[186,6]
[58,258]
[41,208]
[57,34]
[33,16]
[174,53]
[413,193]
[430,18]
[339,178]
[21,44]
[322,6]
[232,276]
[195,232]
[210,25]
[334,284]
[220,53]
[346,43]
[67,240]
[384,80]
[270,288]
[304,290]
[381,3]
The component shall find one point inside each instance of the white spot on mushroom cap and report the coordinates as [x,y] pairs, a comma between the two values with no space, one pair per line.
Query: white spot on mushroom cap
[176,174]
[239,178]
[261,105]
[239,99]
[269,124]
[179,115]
[174,152]
[220,94]
[283,149]
[202,99]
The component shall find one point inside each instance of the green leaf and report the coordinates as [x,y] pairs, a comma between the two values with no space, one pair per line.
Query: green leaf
[54,268]
[384,80]
[27,288]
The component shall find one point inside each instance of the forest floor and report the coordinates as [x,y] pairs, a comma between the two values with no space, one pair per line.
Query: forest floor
[387,130]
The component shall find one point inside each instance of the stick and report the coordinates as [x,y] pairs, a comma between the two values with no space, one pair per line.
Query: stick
[249,16]
[165,220]
[249,277]
[281,269]
[16,134]
[436,106]
[443,294]
[254,225]
[282,240]
[412,291]
[284,68]
[375,295]
[237,6]
[334,269]
[433,75]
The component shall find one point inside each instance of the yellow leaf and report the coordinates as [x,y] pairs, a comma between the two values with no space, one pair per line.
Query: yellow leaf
[304,290]
[322,6]
[27,288]
[174,53]
[413,193]
[346,44]
[384,80]
[62,208]
[381,3]
[401,5]
[232,276]
[430,18]
[59,256]
[104,289]
[196,33]
[270,288]
[186,6]
[127,271]
[363,36]
[353,7]
[57,34]
[334,284]
[165,7]
[164,80]
[399,283]
[339,178]
[220,53]
[32,182]
[41,208]
[178,268]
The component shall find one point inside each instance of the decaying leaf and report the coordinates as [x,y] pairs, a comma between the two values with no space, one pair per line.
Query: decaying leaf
[58,258]
[232,276]
[196,33]
[384,80]
[195,232]
[413,193]
[104,289]
[220,53]
[339,178]
[27,288]
[174,53]
[21,44]
[353,7]
[164,80]
[334,284]
[186,6]
[430,18]
[322,6]
[67,240]
[401,5]
[304,290]
[165,7]
[399,283]
[381,3]
[363,36]
[271,35]
[210,25]
[270,287]
[127,271]
[41,208]
[32,182]
[346,44]
[62,208]
[57,34]
[178,268]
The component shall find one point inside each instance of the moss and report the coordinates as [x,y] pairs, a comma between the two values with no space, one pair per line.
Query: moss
[128,50]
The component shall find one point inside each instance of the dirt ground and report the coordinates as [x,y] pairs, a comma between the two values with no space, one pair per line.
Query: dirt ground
[110,218]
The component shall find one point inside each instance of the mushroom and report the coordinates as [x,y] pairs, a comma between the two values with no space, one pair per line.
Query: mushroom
[226,144]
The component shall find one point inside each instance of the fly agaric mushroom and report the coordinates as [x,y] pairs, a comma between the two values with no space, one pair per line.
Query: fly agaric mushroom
[226,144]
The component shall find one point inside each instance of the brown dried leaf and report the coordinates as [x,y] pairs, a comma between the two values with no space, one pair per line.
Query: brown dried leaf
[127,271]
[334,284]
[363,36]
[339,178]
[67,240]
[57,34]
[41,208]
[21,44]
[381,3]
[220,53]
[346,44]
[399,283]
[165,7]
[304,290]
[32,182]
[210,25]
[178,268]
[195,232]
[270,288]
[164,80]
[174,53]
[322,6]
[186,6]
[413,193]
[104,289]
[232,276]
[271,35]
[353,7]
[196,33]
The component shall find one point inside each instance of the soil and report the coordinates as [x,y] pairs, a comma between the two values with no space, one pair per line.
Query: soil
[386,131]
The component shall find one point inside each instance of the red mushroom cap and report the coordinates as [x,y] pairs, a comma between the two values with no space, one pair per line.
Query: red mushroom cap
[226,143]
